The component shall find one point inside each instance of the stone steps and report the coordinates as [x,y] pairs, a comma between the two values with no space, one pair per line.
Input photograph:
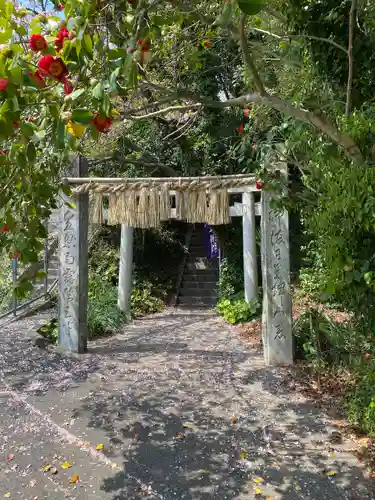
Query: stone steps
[199,281]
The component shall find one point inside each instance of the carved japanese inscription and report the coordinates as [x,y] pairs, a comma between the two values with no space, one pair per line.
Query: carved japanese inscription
[277,309]
[73,272]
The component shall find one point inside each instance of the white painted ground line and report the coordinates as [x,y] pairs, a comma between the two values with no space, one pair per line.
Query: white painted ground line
[73,439]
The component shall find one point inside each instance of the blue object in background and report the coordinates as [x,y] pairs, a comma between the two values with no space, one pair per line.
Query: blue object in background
[210,242]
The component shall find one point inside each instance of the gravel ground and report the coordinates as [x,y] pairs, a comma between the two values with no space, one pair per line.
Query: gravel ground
[184,410]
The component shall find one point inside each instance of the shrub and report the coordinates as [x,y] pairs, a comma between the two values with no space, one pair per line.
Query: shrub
[237,310]
[361,402]
[144,303]
[103,314]
[320,339]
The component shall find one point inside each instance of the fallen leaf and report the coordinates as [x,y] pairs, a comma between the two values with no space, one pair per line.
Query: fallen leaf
[100,447]
[268,498]
[258,480]
[10,458]
[137,436]
[85,443]
[66,465]
[243,454]
[331,473]
[7,495]
[32,483]
[258,491]
[190,425]
[180,436]
[46,468]
[53,470]
[74,479]
[233,420]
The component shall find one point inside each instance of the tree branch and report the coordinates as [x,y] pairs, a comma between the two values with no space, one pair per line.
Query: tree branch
[275,102]
[163,111]
[287,37]
[352,15]
[248,57]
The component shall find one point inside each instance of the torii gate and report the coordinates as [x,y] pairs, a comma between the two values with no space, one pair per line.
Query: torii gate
[73,253]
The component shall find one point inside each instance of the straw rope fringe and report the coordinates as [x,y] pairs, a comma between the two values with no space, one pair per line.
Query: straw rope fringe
[97,209]
[153,206]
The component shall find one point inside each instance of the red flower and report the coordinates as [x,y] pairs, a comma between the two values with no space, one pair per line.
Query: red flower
[102,124]
[60,37]
[241,129]
[68,87]
[5,229]
[60,7]
[4,82]
[246,112]
[37,78]
[37,43]
[53,67]
[259,184]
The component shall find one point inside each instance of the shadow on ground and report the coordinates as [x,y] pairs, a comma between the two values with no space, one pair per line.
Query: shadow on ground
[193,414]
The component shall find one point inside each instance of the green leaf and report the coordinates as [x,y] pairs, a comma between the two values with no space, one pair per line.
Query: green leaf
[70,204]
[98,90]
[15,104]
[82,115]
[106,104]
[6,106]
[66,189]
[21,159]
[38,136]
[9,9]
[77,93]
[16,73]
[60,134]
[116,54]
[28,129]
[87,44]
[31,152]
[21,30]
[251,7]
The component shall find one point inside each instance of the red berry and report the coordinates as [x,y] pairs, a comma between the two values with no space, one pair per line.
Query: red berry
[259,184]
[4,82]
[241,129]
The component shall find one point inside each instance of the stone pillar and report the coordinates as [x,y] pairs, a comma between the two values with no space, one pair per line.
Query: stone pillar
[73,268]
[125,272]
[249,247]
[277,303]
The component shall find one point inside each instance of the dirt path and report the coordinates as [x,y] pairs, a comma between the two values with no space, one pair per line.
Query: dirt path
[184,409]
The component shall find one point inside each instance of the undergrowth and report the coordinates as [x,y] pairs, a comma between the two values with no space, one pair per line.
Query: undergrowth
[329,346]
